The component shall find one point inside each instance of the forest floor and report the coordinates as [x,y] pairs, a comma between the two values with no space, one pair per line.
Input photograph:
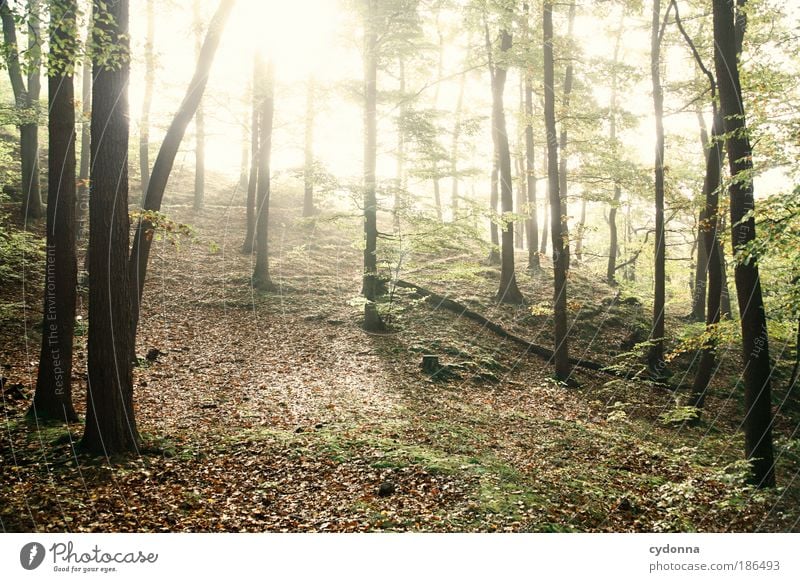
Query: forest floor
[276,412]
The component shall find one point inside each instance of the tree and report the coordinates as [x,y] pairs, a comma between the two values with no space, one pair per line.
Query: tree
[560,264]
[708,229]
[613,236]
[143,239]
[563,183]
[86,135]
[110,418]
[371,285]
[249,238]
[149,77]
[199,120]
[27,103]
[655,356]
[53,397]
[755,341]
[509,291]
[265,103]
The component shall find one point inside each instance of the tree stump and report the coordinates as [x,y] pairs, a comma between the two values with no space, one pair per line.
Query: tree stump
[430,364]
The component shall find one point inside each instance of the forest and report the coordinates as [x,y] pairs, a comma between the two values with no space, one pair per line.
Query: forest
[399,265]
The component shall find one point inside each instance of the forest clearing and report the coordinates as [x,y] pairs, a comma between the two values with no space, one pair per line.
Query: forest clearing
[464,268]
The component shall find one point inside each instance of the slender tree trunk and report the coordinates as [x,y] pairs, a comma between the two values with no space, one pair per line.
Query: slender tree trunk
[560,263]
[709,231]
[265,99]
[149,78]
[655,357]
[546,225]
[726,294]
[32,178]
[162,168]
[199,122]
[519,224]
[509,291]
[53,398]
[28,128]
[437,191]
[371,286]
[308,151]
[494,201]
[579,235]
[249,239]
[400,193]
[613,236]
[532,222]
[563,141]
[110,419]
[86,134]
[755,341]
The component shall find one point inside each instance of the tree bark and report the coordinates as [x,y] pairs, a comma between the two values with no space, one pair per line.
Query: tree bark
[755,341]
[509,291]
[149,77]
[560,263]
[655,356]
[563,142]
[613,235]
[143,239]
[249,238]
[53,397]
[26,99]
[86,135]
[532,220]
[371,286]
[265,99]
[199,122]
[110,419]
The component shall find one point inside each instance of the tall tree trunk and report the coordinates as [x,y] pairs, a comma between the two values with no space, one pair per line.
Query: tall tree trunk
[249,238]
[437,192]
[563,142]
[755,341]
[726,294]
[110,420]
[35,45]
[400,183]
[509,291]
[86,134]
[613,236]
[162,168]
[28,127]
[494,201]
[265,99]
[655,356]
[199,122]
[709,231]
[53,398]
[532,221]
[546,225]
[560,264]
[701,267]
[519,224]
[149,77]
[580,231]
[308,151]
[371,286]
